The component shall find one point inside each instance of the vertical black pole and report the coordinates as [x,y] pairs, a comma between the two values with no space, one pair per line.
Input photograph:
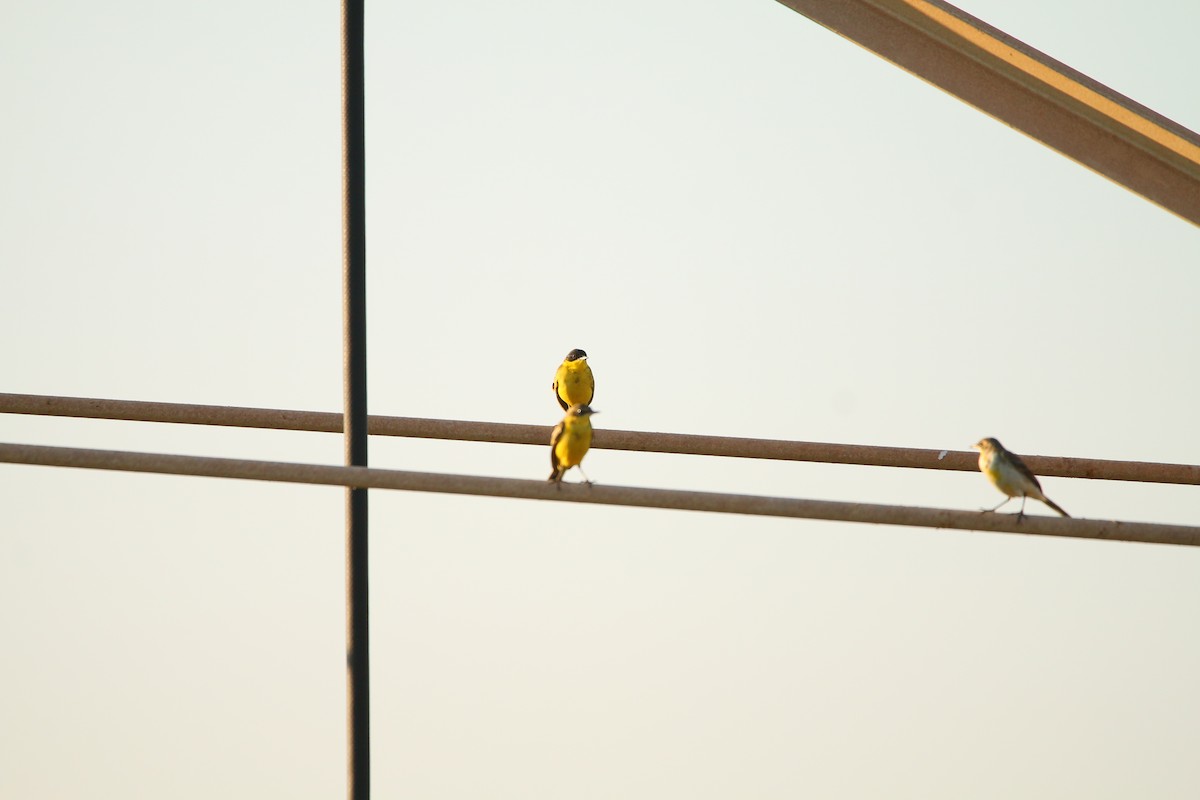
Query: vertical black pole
[354,315]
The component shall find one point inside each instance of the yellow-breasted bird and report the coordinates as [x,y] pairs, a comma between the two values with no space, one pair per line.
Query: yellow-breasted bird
[570,442]
[1008,473]
[573,382]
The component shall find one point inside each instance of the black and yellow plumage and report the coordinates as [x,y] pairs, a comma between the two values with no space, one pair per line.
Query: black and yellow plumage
[570,442]
[573,382]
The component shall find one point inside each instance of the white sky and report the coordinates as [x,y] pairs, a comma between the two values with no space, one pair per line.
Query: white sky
[755,228]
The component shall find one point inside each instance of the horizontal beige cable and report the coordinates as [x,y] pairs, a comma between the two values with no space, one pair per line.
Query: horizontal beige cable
[374,478]
[640,441]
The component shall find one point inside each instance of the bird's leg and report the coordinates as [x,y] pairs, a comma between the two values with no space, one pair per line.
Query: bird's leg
[1021,513]
[993,508]
[586,479]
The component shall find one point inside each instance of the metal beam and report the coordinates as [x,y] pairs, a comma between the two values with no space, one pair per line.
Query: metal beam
[1027,90]
[605,439]
[354,297]
[917,516]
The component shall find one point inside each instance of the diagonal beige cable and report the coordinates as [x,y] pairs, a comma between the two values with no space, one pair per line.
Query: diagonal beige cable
[374,478]
[1027,90]
[637,441]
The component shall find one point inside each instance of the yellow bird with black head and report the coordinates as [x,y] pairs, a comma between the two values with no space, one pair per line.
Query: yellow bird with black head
[570,442]
[573,382]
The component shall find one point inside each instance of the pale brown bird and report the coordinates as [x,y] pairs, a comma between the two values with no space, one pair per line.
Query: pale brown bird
[1008,473]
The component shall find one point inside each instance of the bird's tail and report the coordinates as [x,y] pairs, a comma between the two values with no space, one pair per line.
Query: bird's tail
[1055,506]
[557,475]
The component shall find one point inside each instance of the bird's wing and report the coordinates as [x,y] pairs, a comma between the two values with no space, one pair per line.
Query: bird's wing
[558,376]
[1024,470]
[554,437]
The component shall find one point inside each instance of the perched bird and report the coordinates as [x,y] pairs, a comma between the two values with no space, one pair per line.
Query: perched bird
[1008,473]
[570,442]
[573,382]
